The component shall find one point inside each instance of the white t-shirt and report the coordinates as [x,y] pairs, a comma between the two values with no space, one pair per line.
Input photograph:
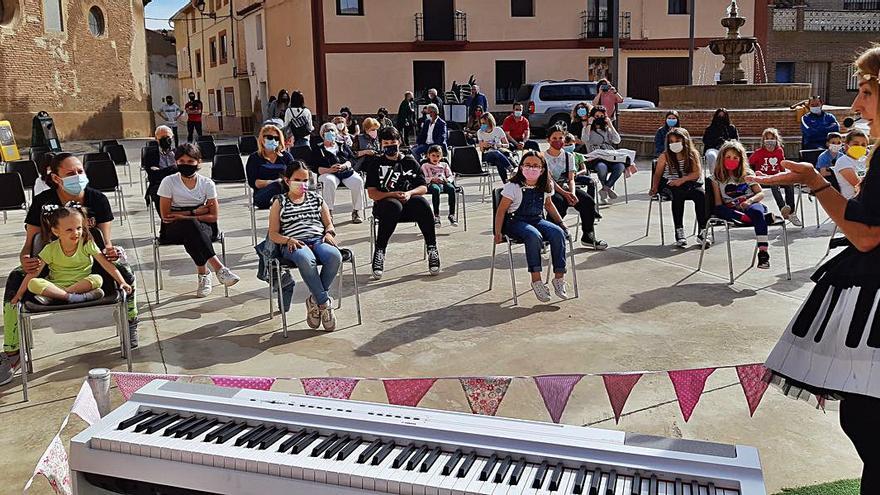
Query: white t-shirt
[184,197]
[171,113]
[493,137]
[430,139]
[514,193]
[557,165]
[858,166]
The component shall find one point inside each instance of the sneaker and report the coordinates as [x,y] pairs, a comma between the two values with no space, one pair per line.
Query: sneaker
[205,288]
[452,220]
[785,211]
[133,332]
[541,291]
[603,196]
[313,313]
[43,300]
[378,263]
[433,260]
[436,221]
[328,317]
[560,287]
[92,295]
[706,242]
[8,366]
[611,193]
[356,217]
[226,277]
[795,220]
[589,241]
[680,239]
[763,259]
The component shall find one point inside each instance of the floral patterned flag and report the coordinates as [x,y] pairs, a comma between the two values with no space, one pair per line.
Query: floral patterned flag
[751,377]
[689,385]
[408,391]
[53,465]
[85,405]
[618,388]
[251,382]
[129,383]
[555,390]
[485,394]
[336,388]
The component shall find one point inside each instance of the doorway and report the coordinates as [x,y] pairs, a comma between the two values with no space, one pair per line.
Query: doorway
[647,74]
[439,19]
[427,75]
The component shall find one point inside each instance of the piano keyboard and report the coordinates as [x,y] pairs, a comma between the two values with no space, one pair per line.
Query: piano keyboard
[203,439]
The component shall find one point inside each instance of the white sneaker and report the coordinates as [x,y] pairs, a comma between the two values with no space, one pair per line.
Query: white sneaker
[795,220]
[541,291]
[226,277]
[205,288]
[611,193]
[603,196]
[680,239]
[785,212]
[560,287]
[328,317]
[313,313]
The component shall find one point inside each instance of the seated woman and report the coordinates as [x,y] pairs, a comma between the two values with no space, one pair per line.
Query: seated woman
[601,135]
[189,208]
[494,144]
[719,131]
[367,143]
[579,118]
[473,126]
[300,223]
[525,199]
[265,166]
[672,120]
[333,161]
[343,134]
[679,172]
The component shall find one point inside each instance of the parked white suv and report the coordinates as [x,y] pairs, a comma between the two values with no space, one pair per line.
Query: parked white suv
[547,103]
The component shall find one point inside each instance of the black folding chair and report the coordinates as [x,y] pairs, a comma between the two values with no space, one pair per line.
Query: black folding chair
[208,150]
[206,137]
[120,157]
[36,153]
[27,169]
[456,139]
[12,195]
[247,145]
[809,156]
[102,176]
[466,163]
[228,169]
[227,149]
[107,143]
[101,156]
[152,143]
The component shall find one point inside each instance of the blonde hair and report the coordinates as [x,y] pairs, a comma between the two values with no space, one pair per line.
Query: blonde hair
[721,174]
[370,123]
[776,135]
[868,66]
[489,117]
[270,128]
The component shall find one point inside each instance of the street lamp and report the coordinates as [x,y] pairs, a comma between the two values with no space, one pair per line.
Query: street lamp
[200,5]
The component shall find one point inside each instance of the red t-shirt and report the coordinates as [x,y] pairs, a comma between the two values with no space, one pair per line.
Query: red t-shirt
[193,111]
[516,128]
[766,162]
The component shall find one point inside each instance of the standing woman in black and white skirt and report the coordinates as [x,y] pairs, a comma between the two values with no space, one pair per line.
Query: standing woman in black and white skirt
[832,345]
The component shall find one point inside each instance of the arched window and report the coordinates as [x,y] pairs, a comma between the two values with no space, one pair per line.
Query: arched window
[96,21]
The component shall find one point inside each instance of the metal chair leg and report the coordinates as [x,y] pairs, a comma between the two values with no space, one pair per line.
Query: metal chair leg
[625,189]
[512,276]
[785,244]
[271,279]
[223,251]
[357,292]
[729,254]
[648,224]
[253,220]
[703,248]
[156,269]
[122,325]
[574,273]
[492,268]
[281,300]
[24,362]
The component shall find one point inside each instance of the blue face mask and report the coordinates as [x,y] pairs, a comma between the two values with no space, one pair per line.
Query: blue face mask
[270,144]
[671,122]
[330,136]
[517,113]
[484,127]
[582,112]
[568,148]
[75,184]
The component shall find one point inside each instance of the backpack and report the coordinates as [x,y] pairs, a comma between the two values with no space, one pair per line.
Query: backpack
[298,126]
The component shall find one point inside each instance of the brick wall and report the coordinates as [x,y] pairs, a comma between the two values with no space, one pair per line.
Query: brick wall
[94,87]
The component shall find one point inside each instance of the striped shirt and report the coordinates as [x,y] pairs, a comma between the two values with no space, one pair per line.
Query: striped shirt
[302,221]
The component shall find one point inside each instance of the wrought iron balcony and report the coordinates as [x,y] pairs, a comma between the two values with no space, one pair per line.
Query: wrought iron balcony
[595,25]
[848,21]
[439,32]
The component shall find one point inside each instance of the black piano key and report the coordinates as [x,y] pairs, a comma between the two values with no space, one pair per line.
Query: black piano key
[369,451]
[594,485]
[305,442]
[835,295]
[256,430]
[324,445]
[860,315]
[430,460]
[161,424]
[199,429]
[180,429]
[679,487]
[137,418]
[224,435]
[403,456]
[653,485]
[503,469]
[637,485]
[290,442]
[710,490]
[383,453]
[612,483]
[487,469]
[336,447]
[143,425]
[271,439]
[810,310]
[466,465]
[517,472]
[450,464]
[349,448]
[540,474]
[414,461]
[556,478]
[217,431]
[581,478]
[181,423]
[256,439]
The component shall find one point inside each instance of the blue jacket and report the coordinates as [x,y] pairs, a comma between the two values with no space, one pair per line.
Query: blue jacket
[815,129]
[660,140]
[439,132]
[478,99]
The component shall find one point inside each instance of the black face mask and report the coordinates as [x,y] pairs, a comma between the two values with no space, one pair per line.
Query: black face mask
[599,121]
[187,170]
[192,97]
[169,102]
[391,150]
[165,142]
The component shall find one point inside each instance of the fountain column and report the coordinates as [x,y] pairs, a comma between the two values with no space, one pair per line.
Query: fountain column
[732,47]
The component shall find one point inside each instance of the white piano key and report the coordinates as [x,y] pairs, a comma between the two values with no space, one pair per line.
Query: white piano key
[704,490]
[646,484]
[487,486]
[348,466]
[461,485]
[395,475]
[566,485]
[359,470]
[407,483]
[603,484]
[686,489]
[433,478]
[448,482]
[526,481]
[384,471]
[625,484]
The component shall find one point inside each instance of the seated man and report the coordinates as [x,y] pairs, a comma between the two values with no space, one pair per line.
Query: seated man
[431,131]
[396,184]
[166,165]
[816,125]
[517,129]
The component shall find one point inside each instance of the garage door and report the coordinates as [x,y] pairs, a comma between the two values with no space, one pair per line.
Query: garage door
[646,75]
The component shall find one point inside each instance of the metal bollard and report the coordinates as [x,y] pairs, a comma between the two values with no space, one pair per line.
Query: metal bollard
[99,381]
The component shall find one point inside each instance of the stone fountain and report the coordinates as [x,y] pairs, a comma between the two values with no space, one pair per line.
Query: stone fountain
[733,47]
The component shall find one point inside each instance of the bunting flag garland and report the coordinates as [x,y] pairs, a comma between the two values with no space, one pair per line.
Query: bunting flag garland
[54,466]
[618,388]
[250,382]
[485,394]
[751,377]
[407,391]
[336,388]
[689,385]
[85,405]
[129,383]
[555,390]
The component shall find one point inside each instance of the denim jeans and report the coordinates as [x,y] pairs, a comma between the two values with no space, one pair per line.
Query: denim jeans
[533,235]
[436,189]
[754,214]
[609,172]
[307,260]
[500,161]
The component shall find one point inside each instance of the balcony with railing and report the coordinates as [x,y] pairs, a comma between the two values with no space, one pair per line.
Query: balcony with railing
[441,31]
[851,21]
[861,4]
[598,25]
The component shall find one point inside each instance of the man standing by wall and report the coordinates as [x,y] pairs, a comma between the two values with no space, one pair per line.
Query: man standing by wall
[193,117]
[170,112]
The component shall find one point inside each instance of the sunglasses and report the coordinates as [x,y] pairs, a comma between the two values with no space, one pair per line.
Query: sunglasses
[269,137]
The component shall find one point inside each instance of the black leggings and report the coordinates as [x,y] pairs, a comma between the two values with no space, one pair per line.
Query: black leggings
[858,418]
[391,211]
[688,193]
[586,207]
[195,236]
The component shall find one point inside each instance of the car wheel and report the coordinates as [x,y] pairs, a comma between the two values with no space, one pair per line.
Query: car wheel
[561,120]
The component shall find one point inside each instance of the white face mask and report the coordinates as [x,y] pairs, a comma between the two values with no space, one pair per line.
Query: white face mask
[340,126]
[677,147]
[770,144]
[835,148]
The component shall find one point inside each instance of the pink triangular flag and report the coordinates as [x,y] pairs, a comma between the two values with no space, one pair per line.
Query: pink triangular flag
[689,385]
[751,377]
[618,388]
[336,388]
[408,391]
[85,406]
[251,382]
[54,466]
[555,390]
[129,383]
[484,394]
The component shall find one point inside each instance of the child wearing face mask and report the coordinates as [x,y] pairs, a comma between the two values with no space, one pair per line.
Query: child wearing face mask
[767,160]
[672,121]
[580,117]
[439,177]
[851,166]
[827,159]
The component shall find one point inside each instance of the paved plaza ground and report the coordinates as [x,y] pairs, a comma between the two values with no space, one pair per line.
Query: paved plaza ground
[642,307]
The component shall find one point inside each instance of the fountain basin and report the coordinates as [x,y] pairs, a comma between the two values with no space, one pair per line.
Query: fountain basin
[733,96]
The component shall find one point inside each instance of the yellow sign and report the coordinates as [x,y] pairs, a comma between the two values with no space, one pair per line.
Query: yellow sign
[8,148]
